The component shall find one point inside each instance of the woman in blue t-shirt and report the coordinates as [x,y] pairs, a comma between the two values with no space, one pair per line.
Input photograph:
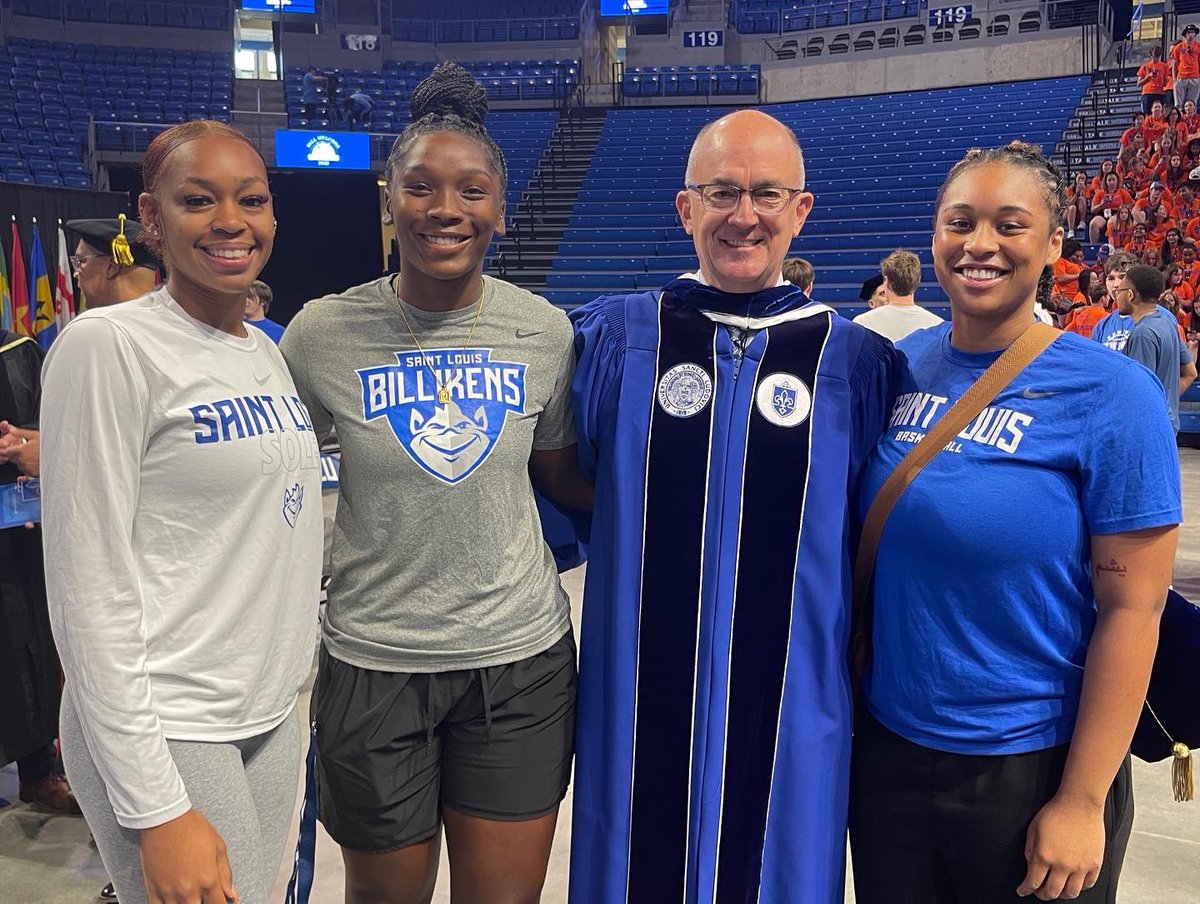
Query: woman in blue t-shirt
[1019,581]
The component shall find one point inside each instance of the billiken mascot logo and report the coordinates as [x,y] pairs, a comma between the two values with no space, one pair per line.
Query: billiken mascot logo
[449,439]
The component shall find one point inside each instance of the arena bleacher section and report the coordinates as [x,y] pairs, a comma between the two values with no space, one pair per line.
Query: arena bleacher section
[873,195]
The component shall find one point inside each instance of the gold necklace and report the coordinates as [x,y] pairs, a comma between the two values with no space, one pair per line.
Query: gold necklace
[443,394]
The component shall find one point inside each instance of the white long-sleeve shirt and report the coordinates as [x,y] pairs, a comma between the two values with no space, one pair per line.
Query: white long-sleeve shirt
[183,522]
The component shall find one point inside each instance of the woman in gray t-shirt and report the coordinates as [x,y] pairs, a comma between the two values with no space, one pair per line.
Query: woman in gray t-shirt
[446,688]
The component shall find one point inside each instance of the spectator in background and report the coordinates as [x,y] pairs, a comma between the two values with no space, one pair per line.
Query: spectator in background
[1079,198]
[1177,284]
[901,271]
[1154,125]
[1191,266]
[1175,172]
[1113,331]
[1083,320]
[1177,129]
[358,107]
[1106,167]
[799,273]
[872,292]
[258,302]
[1154,339]
[1067,269]
[1189,121]
[1152,79]
[1152,256]
[1186,205]
[1171,246]
[1185,67]
[310,96]
[1137,245]
[1135,136]
[1120,227]
[1105,204]
[103,279]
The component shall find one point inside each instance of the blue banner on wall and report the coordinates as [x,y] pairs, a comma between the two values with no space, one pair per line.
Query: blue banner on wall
[296,149]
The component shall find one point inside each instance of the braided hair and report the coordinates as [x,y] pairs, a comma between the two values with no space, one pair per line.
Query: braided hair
[449,100]
[1028,157]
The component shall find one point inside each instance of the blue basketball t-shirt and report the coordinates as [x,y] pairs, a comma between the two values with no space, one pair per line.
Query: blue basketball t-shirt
[983,592]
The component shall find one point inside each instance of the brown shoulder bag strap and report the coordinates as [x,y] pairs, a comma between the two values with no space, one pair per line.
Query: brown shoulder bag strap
[994,380]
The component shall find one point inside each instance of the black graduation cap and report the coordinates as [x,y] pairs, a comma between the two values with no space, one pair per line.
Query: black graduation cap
[105,235]
[869,287]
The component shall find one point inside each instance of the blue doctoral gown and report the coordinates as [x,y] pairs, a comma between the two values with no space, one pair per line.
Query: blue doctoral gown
[714,708]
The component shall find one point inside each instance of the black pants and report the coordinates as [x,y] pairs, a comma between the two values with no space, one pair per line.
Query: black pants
[928,827]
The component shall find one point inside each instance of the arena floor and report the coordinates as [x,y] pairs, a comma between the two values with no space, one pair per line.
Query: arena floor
[48,859]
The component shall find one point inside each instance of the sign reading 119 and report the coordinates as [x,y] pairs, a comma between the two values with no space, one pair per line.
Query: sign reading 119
[703,39]
[950,15]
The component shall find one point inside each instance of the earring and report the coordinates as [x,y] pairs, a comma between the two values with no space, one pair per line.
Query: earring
[274,224]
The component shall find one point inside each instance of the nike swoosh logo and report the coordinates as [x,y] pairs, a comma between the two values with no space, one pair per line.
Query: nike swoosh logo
[261,381]
[1039,393]
[525,334]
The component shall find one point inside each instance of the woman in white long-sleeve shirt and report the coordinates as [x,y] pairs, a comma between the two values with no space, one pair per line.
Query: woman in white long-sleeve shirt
[183,545]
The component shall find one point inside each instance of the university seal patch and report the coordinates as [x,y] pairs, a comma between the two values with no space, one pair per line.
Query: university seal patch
[783,399]
[450,440]
[684,390]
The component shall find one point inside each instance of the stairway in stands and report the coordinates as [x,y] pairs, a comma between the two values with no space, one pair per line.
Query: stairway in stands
[1104,112]
[525,255]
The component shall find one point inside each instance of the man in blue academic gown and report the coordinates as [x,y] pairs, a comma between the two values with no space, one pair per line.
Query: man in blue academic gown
[724,420]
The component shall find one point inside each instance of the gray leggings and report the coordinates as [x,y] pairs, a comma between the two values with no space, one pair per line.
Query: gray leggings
[246,789]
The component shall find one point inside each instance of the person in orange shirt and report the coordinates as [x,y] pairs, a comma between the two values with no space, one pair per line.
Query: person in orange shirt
[1152,254]
[1135,135]
[1186,203]
[1120,227]
[1067,269]
[1178,284]
[1172,245]
[1106,167]
[1185,66]
[1167,144]
[1152,79]
[1078,203]
[1154,210]
[1156,123]
[1137,246]
[1190,121]
[1191,266]
[1105,205]
[1084,319]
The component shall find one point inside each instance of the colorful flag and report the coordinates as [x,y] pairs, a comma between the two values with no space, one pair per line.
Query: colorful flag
[64,291]
[6,311]
[45,322]
[22,322]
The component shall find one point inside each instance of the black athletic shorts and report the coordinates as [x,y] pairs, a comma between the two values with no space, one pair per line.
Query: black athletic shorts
[394,747]
[931,827]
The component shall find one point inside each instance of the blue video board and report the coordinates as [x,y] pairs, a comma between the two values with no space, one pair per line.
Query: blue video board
[622,8]
[296,149]
[288,6]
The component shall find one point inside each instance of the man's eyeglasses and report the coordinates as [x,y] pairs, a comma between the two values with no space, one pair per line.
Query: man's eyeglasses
[1119,289]
[721,198]
[78,260]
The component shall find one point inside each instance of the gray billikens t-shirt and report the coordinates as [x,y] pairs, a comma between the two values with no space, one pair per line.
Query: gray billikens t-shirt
[438,557]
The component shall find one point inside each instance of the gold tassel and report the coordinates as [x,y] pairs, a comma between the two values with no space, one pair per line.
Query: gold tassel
[121,252]
[1181,772]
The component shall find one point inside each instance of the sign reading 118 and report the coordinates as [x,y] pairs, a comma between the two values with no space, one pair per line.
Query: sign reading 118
[704,39]
[950,15]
